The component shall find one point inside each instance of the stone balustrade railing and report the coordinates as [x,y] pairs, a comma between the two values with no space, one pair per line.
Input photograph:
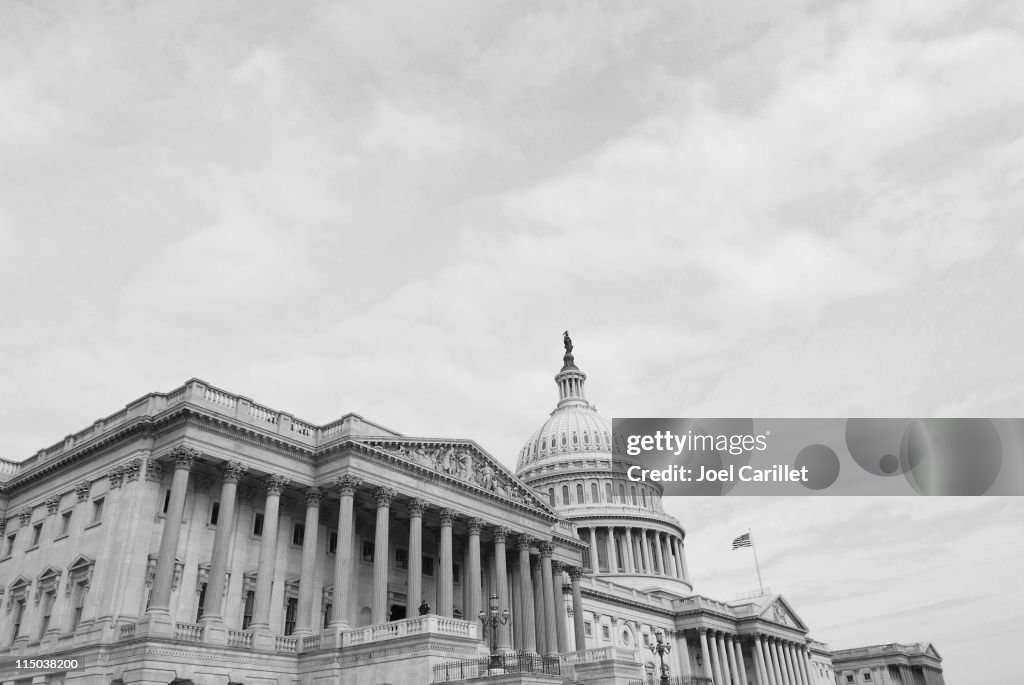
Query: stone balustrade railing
[239,638]
[188,632]
[437,625]
[202,395]
[587,656]
[286,644]
[127,631]
[310,643]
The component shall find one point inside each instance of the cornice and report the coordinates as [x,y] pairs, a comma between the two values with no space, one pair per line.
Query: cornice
[622,601]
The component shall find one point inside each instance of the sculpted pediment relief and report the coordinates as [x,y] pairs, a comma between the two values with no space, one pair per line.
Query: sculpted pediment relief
[464,462]
[780,612]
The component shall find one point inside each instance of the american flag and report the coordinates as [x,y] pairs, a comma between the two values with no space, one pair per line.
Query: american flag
[741,541]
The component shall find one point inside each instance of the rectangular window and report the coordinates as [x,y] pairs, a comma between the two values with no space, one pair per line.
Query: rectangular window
[289,615]
[867,677]
[849,678]
[97,510]
[202,601]
[19,613]
[65,522]
[428,566]
[298,533]
[47,610]
[79,600]
[250,599]
[401,558]
[328,610]
[9,547]
[167,500]
[606,633]
[367,551]
[647,639]
[332,542]
[588,628]
[37,532]
[257,524]
[214,513]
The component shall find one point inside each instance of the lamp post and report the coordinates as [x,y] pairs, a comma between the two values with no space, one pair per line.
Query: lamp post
[493,620]
[661,648]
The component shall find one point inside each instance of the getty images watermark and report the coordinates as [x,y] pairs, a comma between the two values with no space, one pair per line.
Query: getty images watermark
[954,456]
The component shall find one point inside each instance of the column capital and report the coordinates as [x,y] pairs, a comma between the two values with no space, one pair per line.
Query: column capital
[82,490]
[131,469]
[475,524]
[184,456]
[501,533]
[702,630]
[557,566]
[547,548]
[417,505]
[313,496]
[346,485]
[116,477]
[154,470]
[524,542]
[537,566]
[232,471]
[575,573]
[448,516]
[52,505]
[25,517]
[384,496]
[275,483]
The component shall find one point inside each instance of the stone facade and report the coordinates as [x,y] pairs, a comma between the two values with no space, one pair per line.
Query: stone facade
[197,535]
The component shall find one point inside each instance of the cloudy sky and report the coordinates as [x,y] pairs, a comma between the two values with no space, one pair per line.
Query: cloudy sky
[756,208]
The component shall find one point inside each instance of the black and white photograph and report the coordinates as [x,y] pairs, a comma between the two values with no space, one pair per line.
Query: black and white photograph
[495,343]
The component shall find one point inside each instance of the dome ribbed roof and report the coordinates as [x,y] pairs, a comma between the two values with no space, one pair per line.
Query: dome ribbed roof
[568,431]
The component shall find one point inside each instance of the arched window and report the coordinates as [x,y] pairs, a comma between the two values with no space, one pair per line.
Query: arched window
[594,496]
[622,493]
[632,491]
[551,496]
[579,493]
[565,494]
[608,492]
[643,497]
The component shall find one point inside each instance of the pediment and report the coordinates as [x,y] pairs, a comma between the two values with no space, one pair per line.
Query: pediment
[779,611]
[49,573]
[463,461]
[930,650]
[81,562]
[19,583]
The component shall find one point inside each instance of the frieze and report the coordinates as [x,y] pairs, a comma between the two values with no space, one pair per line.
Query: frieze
[462,463]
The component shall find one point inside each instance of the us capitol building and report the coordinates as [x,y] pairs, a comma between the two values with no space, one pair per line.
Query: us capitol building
[196,536]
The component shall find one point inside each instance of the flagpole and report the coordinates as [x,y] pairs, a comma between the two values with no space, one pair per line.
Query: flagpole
[756,564]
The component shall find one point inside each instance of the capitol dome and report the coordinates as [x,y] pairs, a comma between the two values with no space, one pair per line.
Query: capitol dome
[568,461]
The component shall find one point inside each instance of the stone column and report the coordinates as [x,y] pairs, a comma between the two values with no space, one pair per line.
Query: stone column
[595,560]
[539,610]
[613,562]
[682,653]
[787,660]
[777,669]
[306,619]
[380,555]
[551,646]
[677,552]
[268,554]
[575,574]
[213,606]
[647,552]
[414,581]
[705,654]
[559,600]
[661,557]
[473,572]
[160,600]
[730,653]
[627,549]
[741,666]
[760,664]
[527,628]
[805,662]
[343,554]
[724,657]
[501,574]
[445,574]
[682,560]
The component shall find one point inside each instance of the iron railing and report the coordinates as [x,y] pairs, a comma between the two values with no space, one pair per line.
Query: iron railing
[494,665]
[674,680]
